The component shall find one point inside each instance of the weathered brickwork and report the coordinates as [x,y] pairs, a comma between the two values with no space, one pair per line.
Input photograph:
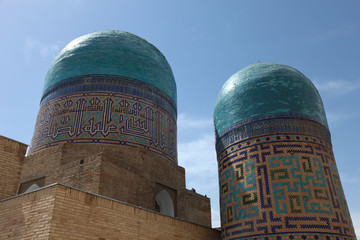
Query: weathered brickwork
[128,174]
[282,186]
[12,155]
[194,207]
[28,216]
[67,213]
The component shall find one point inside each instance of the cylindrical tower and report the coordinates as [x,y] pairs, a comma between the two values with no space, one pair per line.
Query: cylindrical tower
[277,173]
[109,87]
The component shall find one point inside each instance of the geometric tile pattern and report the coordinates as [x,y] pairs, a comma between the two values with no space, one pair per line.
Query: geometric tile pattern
[299,236]
[270,123]
[282,186]
[105,117]
[113,83]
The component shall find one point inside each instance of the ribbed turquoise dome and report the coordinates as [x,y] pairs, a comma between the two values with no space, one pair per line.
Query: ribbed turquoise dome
[266,89]
[113,53]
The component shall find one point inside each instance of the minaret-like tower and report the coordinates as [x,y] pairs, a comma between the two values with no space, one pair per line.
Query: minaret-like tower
[277,173]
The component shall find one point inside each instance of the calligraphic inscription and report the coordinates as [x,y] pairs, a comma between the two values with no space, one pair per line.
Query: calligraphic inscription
[105,117]
[282,187]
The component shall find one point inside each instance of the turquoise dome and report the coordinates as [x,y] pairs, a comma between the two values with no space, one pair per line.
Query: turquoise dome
[264,90]
[113,53]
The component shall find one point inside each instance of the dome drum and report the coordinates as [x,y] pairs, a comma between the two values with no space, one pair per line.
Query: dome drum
[264,125]
[113,83]
[265,98]
[277,172]
[109,87]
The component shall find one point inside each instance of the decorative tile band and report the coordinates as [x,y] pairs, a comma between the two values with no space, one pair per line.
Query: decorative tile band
[272,125]
[270,138]
[105,117]
[113,83]
[298,236]
[282,186]
[281,115]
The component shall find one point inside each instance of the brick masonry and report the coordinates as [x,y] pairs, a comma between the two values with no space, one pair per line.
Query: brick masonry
[128,174]
[27,216]
[68,213]
[12,155]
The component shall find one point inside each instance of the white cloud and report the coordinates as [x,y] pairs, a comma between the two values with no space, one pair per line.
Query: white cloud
[355,217]
[339,117]
[198,157]
[50,50]
[198,154]
[349,180]
[185,122]
[336,87]
[45,50]
[215,218]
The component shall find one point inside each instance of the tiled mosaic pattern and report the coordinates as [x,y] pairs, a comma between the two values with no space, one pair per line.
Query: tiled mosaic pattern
[113,53]
[105,117]
[263,89]
[113,83]
[298,236]
[282,187]
[271,123]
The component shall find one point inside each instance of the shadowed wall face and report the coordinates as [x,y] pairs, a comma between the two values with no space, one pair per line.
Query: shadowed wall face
[109,87]
[12,154]
[277,173]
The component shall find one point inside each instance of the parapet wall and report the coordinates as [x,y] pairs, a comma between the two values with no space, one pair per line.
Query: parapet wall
[12,155]
[127,174]
[59,211]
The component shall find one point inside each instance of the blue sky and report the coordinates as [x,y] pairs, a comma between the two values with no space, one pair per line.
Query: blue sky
[205,43]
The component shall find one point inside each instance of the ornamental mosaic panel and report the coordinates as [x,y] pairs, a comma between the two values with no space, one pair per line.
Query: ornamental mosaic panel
[113,83]
[282,187]
[106,117]
[270,123]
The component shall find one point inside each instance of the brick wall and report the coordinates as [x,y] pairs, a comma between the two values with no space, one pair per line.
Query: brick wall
[74,214]
[83,173]
[12,155]
[128,174]
[27,216]
[194,207]
[41,164]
